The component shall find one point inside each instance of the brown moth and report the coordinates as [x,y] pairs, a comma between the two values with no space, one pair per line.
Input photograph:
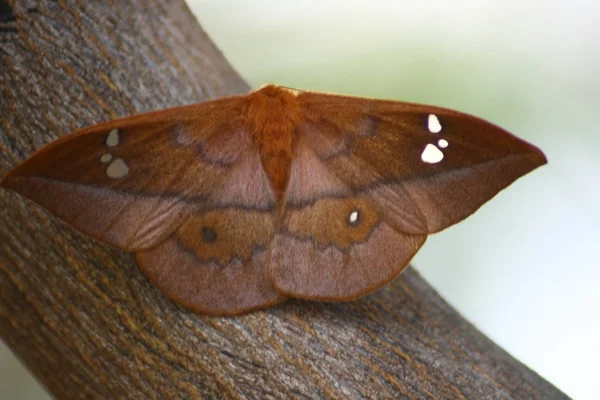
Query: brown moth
[239,203]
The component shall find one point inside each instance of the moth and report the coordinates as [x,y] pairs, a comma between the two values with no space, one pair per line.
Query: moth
[239,203]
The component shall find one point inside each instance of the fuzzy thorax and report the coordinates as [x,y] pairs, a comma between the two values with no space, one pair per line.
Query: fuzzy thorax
[274,113]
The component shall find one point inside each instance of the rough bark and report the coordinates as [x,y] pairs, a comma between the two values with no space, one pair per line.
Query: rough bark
[88,324]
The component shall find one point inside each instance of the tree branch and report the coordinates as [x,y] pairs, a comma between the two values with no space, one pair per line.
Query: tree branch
[87,322]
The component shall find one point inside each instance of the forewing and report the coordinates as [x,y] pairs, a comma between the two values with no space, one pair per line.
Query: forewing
[414,169]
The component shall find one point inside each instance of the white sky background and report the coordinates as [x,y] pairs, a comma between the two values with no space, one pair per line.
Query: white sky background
[525,268]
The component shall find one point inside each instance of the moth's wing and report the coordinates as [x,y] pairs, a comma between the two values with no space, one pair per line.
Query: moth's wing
[406,170]
[215,262]
[148,183]
[129,182]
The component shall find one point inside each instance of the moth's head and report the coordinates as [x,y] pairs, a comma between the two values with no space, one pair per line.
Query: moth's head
[271,89]
[274,105]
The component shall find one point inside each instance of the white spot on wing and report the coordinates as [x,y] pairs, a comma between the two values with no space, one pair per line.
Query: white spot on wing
[113,138]
[106,158]
[353,217]
[117,169]
[431,154]
[443,143]
[433,124]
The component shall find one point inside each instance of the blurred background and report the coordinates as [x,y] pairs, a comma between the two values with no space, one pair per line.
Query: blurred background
[524,269]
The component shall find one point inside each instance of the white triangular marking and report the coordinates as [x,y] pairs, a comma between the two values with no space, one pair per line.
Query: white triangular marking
[432,155]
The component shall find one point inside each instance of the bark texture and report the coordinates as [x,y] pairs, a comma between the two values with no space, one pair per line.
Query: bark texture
[86,321]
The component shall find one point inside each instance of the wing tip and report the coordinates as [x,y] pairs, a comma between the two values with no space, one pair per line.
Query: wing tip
[537,155]
[16,180]
[535,158]
[4,182]
[8,181]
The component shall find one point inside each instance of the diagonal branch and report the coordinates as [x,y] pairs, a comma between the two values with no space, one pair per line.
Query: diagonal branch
[87,322]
